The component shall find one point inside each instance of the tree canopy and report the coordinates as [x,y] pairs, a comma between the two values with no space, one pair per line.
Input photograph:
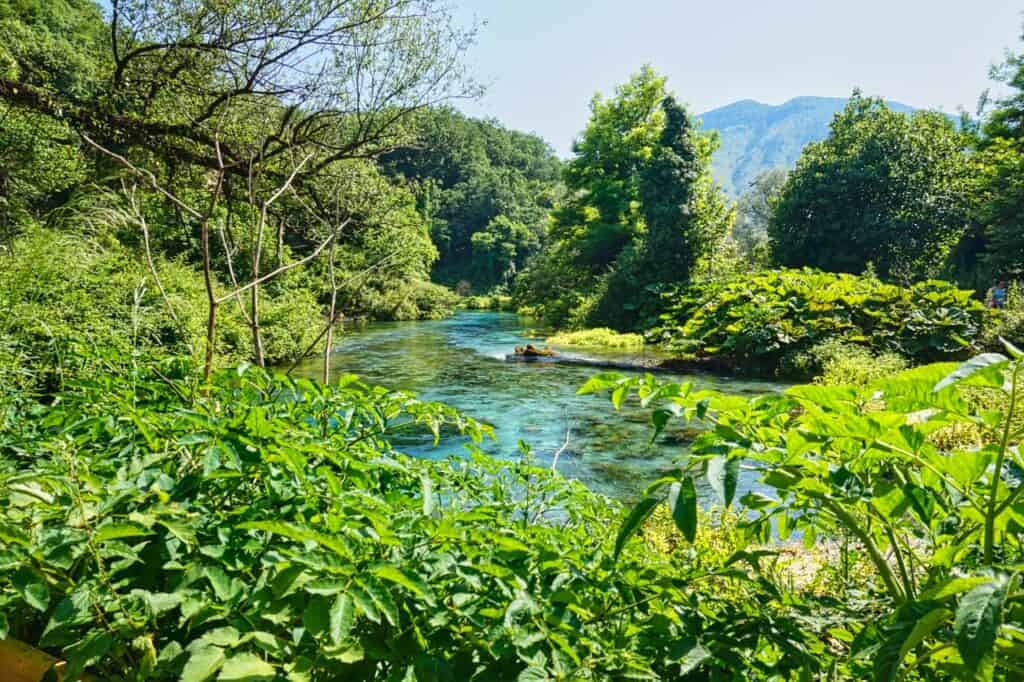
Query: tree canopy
[485,190]
[1002,156]
[884,188]
[640,211]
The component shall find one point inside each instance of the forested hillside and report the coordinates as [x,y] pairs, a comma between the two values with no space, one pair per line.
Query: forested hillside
[485,191]
[756,137]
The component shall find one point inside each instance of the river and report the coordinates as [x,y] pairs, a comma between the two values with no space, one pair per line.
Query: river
[461,361]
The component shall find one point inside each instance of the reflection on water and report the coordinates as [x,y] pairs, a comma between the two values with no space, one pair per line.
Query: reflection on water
[460,361]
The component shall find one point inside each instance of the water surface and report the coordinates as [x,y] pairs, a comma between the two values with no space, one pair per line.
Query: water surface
[461,361]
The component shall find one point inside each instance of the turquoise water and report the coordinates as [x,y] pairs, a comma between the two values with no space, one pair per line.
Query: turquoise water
[461,361]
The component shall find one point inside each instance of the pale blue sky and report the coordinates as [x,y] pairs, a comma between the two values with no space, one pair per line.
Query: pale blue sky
[544,59]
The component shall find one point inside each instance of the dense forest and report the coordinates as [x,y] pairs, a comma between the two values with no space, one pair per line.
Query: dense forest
[195,195]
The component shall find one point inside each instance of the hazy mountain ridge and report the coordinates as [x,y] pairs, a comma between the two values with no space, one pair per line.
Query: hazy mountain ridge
[756,137]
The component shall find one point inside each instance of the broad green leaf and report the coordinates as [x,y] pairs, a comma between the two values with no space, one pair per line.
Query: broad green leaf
[300,534]
[723,473]
[118,531]
[204,662]
[365,603]
[342,615]
[953,587]
[409,581]
[382,599]
[86,652]
[1014,352]
[599,382]
[682,500]
[928,623]
[977,620]
[693,659]
[619,396]
[246,667]
[975,364]
[32,587]
[643,509]
[316,616]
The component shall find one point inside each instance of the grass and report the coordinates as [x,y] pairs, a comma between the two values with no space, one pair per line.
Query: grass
[490,302]
[600,337]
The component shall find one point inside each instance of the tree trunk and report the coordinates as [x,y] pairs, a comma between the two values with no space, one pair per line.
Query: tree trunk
[211,298]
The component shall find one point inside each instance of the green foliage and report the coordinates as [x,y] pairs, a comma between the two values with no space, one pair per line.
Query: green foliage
[1002,164]
[641,212]
[753,214]
[63,294]
[938,525]
[256,527]
[754,321]
[835,362]
[485,190]
[884,187]
[493,302]
[53,43]
[1007,322]
[600,337]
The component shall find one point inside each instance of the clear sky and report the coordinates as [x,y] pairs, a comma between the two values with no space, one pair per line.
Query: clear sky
[544,59]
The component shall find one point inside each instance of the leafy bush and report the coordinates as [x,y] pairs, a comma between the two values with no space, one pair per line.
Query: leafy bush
[755,320]
[398,299]
[938,521]
[260,528]
[63,295]
[836,362]
[601,337]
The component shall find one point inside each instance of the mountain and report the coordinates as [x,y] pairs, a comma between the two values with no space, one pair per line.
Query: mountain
[756,137]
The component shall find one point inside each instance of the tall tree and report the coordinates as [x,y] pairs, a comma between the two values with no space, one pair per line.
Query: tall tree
[667,187]
[602,212]
[883,188]
[231,109]
[642,209]
[1002,185]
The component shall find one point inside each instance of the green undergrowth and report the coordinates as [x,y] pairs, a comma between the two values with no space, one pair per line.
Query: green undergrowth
[158,528]
[909,486]
[63,296]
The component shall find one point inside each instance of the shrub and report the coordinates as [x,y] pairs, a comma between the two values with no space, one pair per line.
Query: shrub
[63,295]
[601,337]
[398,299]
[836,362]
[500,302]
[754,321]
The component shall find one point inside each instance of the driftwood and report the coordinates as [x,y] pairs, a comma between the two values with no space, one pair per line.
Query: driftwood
[671,365]
[531,351]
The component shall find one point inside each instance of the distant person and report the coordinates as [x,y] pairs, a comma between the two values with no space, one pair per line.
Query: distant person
[999,294]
